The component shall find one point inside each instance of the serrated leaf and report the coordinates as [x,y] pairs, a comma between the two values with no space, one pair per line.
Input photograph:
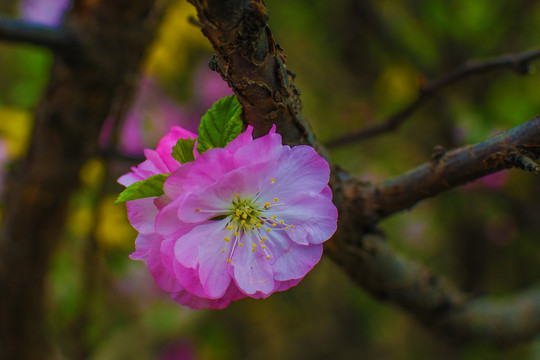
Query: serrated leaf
[220,125]
[151,187]
[183,150]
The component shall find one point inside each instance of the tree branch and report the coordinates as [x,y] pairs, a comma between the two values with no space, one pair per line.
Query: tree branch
[57,39]
[253,65]
[450,169]
[517,62]
[373,265]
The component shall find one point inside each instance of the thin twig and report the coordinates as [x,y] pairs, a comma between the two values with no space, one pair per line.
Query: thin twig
[56,39]
[518,63]
[525,162]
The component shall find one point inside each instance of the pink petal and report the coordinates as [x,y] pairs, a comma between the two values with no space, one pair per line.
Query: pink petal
[252,271]
[129,179]
[167,221]
[166,144]
[153,259]
[295,261]
[286,285]
[213,262]
[186,248]
[142,214]
[301,170]
[313,213]
[194,302]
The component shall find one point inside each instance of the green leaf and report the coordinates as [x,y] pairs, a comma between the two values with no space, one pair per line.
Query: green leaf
[153,186]
[183,150]
[220,125]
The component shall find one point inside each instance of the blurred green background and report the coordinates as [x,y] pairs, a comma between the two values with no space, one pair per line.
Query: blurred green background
[356,62]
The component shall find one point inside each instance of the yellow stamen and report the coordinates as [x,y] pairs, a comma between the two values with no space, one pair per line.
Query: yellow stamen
[236,194]
[230,227]
[235,233]
[240,244]
[272,180]
[276,199]
[229,261]
[268,230]
[227,239]
[267,257]
[281,222]
[197,209]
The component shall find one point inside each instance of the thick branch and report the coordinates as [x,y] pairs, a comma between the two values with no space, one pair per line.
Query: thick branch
[57,39]
[254,66]
[517,62]
[450,169]
[387,276]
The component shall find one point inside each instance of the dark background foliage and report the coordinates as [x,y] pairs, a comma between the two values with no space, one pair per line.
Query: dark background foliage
[356,63]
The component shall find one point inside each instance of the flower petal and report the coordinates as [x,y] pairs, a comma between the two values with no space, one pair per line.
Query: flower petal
[142,215]
[313,213]
[167,221]
[213,261]
[295,261]
[186,248]
[252,271]
[162,277]
[166,144]
[300,170]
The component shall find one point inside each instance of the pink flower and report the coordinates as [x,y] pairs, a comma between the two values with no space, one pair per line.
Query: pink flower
[49,12]
[245,220]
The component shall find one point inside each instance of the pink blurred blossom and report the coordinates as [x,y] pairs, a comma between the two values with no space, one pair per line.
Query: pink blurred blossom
[153,112]
[50,12]
[178,350]
[493,181]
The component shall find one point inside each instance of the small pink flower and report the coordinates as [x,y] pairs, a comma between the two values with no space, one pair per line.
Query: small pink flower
[45,12]
[245,220]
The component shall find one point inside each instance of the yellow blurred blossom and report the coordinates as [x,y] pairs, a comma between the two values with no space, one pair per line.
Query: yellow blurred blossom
[15,126]
[80,221]
[177,37]
[92,172]
[113,229]
[398,84]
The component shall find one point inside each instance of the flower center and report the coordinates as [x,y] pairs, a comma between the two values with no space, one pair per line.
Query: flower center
[245,214]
